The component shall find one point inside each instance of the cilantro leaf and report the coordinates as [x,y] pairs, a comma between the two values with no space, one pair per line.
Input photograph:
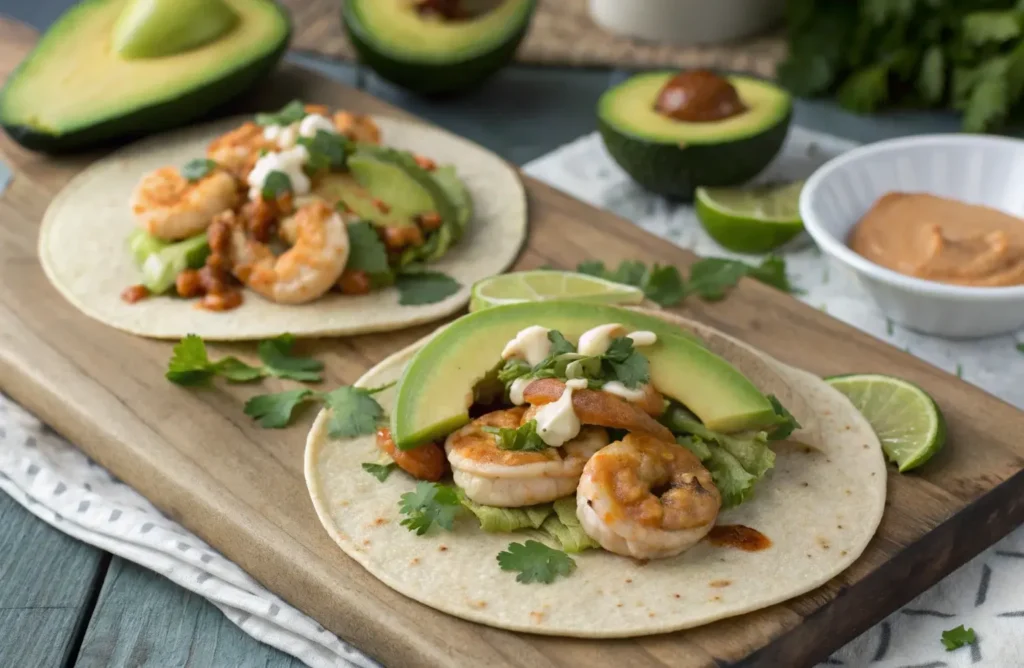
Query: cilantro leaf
[957,638]
[427,287]
[326,149]
[276,184]
[591,268]
[772,271]
[276,357]
[711,277]
[190,366]
[632,371]
[430,503]
[379,471]
[535,562]
[366,250]
[354,412]
[288,114]
[517,368]
[523,439]
[193,170]
[787,424]
[1020,348]
[630,272]
[559,345]
[274,411]
[991,26]
[663,285]
[987,105]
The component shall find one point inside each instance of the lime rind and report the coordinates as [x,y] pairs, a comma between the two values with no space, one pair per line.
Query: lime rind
[543,284]
[905,418]
[751,220]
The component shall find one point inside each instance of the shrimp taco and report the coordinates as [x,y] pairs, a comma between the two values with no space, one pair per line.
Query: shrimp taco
[309,220]
[594,471]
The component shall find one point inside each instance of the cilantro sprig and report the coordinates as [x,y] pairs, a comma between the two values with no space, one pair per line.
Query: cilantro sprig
[786,424]
[958,637]
[193,170]
[326,150]
[276,184]
[416,288]
[354,411]
[379,471]
[190,364]
[522,439]
[710,278]
[430,503]
[535,562]
[288,114]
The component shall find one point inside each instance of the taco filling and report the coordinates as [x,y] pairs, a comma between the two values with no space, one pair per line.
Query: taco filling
[291,206]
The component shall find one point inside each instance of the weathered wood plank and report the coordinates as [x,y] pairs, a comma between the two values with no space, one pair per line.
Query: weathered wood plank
[143,619]
[47,586]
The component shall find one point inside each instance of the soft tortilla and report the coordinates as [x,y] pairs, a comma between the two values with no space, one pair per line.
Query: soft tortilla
[82,244]
[819,508]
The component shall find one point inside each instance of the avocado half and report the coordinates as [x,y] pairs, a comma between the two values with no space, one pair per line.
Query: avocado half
[74,92]
[672,157]
[436,388]
[429,56]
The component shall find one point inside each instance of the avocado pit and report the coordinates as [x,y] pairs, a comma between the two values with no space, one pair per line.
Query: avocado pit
[699,96]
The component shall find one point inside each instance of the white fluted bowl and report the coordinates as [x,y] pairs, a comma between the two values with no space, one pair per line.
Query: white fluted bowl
[975,169]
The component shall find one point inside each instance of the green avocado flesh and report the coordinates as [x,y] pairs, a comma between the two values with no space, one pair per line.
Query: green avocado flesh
[436,388]
[74,91]
[165,260]
[672,157]
[154,28]
[390,183]
[429,54]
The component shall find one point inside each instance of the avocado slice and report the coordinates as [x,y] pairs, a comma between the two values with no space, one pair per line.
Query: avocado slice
[458,195]
[436,387]
[431,55]
[160,269]
[672,157]
[155,28]
[73,91]
[391,183]
[142,244]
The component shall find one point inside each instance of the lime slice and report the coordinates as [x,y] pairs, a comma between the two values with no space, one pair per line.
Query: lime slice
[751,220]
[529,286]
[907,421]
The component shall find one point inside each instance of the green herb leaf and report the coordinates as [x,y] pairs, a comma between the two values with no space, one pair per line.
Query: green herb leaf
[591,268]
[326,149]
[516,368]
[379,471]
[430,503]
[427,287]
[931,81]
[274,411]
[288,114]
[277,358]
[354,412]
[711,278]
[559,344]
[190,365]
[787,424]
[991,26]
[957,638]
[988,105]
[535,562]
[626,365]
[1020,348]
[366,250]
[197,169]
[663,285]
[523,439]
[276,184]
[867,90]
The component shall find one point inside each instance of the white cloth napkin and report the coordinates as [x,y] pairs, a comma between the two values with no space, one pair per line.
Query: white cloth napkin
[61,486]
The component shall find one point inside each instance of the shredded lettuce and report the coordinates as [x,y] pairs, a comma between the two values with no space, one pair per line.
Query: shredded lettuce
[736,461]
[565,527]
[507,520]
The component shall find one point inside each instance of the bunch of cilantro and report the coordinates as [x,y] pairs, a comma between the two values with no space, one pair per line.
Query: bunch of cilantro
[966,55]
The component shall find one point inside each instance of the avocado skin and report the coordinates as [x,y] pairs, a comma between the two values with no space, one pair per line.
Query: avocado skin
[430,79]
[157,117]
[676,172]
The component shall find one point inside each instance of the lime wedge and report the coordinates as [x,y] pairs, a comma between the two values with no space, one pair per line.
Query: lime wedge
[540,285]
[907,421]
[751,220]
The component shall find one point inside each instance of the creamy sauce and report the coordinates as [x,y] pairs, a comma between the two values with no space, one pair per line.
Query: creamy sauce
[643,338]
[288,162]
[633,395]
[596,341]
[942,240]
[285,136]
[515,391]
[557,423]
[531,345]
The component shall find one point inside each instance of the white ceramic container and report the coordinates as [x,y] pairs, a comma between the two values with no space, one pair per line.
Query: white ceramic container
[687,22]
[976,169]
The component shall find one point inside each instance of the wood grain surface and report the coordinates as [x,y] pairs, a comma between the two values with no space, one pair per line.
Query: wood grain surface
[198,458]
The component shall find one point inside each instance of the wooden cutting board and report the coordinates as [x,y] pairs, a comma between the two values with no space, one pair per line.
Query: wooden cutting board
[204,463]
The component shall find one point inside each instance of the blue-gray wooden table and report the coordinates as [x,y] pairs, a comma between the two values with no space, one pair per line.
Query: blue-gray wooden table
[65,603]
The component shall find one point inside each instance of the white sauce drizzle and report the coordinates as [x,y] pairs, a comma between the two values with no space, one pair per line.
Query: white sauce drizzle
[643,338]
[515,391]
[285,136]
[596,341]
[557,423]
[629,394]
[531,345]
[289,162]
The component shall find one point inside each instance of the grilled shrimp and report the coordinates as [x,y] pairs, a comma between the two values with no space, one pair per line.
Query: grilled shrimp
[357,127]
[238,150]
[306,270]
[645,498]
[423,463]
[507,478]
[604,409]
[170,207]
